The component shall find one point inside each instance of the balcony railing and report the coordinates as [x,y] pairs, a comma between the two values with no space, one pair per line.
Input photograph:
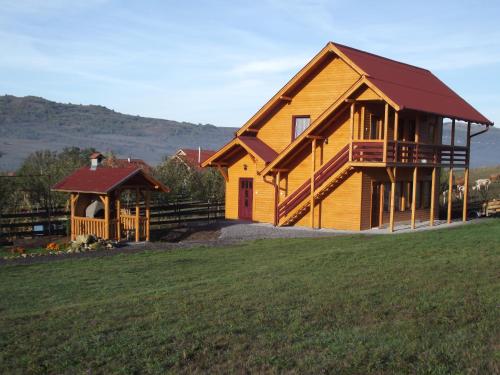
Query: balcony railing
[400,152]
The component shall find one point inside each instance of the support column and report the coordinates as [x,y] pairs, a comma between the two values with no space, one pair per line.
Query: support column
[148,213]
[433,197]
[118,216]
[381,205]
[137,219]
[414,197]
[392,177]
[313,167]
[72,202]
[351,135]
[386,132]
[466,176]
[106,217]
[276,197]
[450,180]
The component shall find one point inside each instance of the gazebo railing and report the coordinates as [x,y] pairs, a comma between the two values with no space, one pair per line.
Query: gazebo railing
[88,225]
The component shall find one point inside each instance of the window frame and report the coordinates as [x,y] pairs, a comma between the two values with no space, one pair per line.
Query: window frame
[294,118]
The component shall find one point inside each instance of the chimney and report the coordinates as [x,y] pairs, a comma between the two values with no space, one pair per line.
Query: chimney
[199,155]
[95,160]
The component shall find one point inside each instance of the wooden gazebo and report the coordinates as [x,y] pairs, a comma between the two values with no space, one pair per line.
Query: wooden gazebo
[96,207]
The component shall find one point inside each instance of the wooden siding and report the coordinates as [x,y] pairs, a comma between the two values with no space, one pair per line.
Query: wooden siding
[318,94]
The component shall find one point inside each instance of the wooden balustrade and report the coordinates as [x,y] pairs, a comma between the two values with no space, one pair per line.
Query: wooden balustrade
[88,225]
[128,223]
[410,153]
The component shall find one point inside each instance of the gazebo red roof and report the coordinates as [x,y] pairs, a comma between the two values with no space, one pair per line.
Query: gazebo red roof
[103,180]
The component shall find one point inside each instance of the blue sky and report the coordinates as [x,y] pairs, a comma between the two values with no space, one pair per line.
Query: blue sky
[218,62]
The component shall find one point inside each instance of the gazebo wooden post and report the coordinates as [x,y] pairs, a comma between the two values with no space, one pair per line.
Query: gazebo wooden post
[392,176]
[148,213]
[73,199]
[106,217]
[137,218]
[118,213]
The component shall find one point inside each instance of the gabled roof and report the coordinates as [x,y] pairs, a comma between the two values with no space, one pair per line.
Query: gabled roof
[103,180]
[254,146]
[411,87]
[125,163]
[403,86]
[191,156]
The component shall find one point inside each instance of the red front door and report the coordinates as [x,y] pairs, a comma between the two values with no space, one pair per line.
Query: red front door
[245,199]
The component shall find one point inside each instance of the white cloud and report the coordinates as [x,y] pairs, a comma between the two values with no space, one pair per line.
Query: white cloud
[275,65]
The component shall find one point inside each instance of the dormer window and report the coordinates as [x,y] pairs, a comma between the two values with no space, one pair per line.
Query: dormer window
[299,124]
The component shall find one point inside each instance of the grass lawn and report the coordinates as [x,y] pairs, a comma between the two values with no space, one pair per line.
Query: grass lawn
[419,303]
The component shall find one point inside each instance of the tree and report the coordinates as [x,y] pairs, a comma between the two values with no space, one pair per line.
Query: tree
[41,170]
[190,182]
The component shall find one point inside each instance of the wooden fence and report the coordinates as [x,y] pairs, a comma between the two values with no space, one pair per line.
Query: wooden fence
[57,221]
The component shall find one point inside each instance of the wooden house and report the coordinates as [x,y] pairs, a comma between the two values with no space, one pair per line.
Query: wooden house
[352,141]
[96,200]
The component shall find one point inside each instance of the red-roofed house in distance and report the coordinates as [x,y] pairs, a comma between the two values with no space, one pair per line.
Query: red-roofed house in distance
[353,141]
[192,158]
[95,200]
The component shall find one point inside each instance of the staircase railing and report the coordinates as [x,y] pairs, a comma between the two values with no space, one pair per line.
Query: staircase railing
[320,177]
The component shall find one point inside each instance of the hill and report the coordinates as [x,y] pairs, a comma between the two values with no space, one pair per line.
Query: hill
[32,123]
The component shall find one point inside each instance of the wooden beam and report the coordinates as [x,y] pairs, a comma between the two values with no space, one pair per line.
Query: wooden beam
[351,134]
[137,219]
[466,176]
[319,137]
[386,131]
[450,195]
[106,217]
[148,213]
[452,156]
[362,121]
[393,203]
[277,193]
[313,169]
[286,98]
[223,172]
[118,217]
[249,130]
[414,197]
[433,197]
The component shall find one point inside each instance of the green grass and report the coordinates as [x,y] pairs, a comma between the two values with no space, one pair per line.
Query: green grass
[420,303]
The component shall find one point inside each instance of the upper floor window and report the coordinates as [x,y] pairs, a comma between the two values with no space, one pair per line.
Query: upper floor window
[300,123]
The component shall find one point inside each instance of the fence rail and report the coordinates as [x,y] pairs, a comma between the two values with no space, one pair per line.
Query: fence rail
[57,221]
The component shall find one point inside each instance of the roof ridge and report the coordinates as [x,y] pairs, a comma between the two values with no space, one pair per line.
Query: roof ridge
[381,57]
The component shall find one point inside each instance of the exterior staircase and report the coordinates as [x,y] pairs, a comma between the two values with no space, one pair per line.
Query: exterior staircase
[327,178]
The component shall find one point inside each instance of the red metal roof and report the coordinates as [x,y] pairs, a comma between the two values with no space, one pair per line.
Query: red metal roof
[261,149]
[412,87]
[101,180]
[127,163]
[191,155]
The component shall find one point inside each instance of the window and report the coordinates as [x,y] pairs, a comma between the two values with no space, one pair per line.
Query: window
[300,123]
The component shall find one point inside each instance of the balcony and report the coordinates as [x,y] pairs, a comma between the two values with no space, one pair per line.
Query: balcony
[401,153]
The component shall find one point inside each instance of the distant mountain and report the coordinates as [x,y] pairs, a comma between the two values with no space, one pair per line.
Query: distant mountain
[485,148]
[31,123]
